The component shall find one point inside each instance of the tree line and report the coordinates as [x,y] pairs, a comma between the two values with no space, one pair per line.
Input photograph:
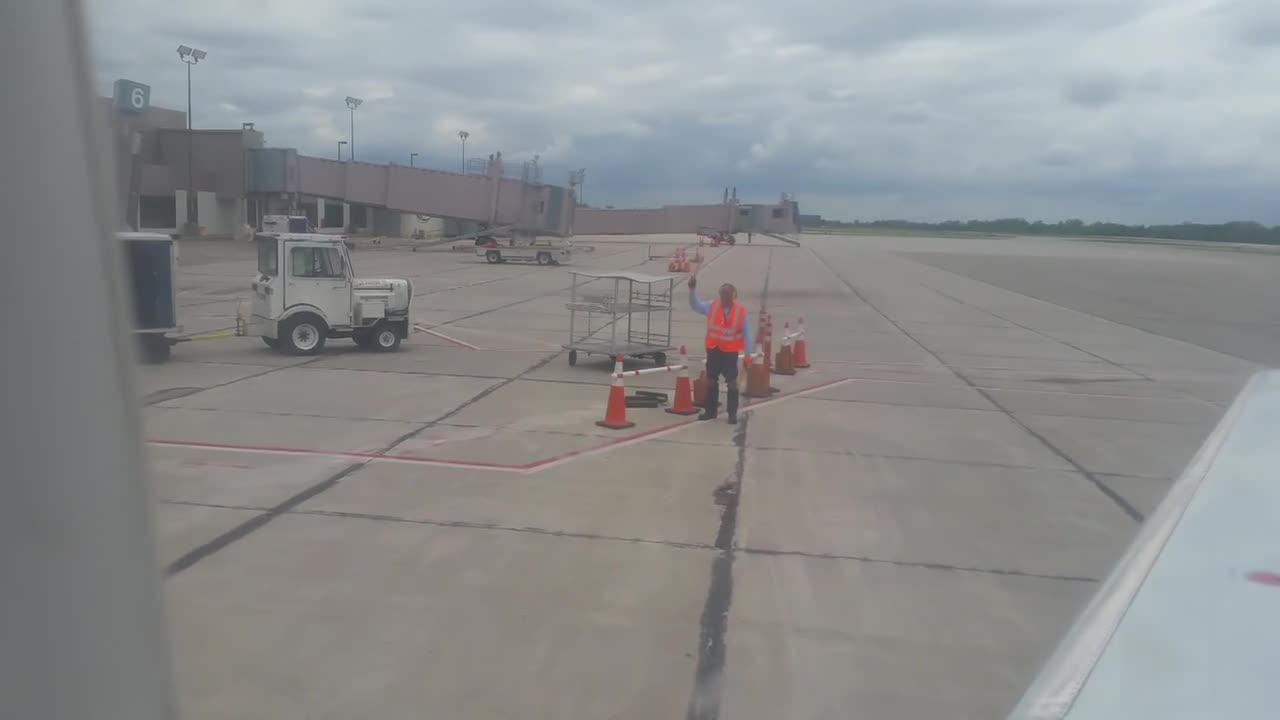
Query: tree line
[1235,232]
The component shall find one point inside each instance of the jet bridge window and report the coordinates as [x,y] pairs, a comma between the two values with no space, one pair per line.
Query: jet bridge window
[316,262]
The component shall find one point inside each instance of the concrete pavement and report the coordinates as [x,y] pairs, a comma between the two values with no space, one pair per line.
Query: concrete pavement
[905,531]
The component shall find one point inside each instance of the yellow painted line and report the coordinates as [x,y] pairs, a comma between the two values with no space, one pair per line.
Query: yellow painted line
[211,336]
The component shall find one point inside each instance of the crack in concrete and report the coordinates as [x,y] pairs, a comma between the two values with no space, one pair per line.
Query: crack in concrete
[713,625]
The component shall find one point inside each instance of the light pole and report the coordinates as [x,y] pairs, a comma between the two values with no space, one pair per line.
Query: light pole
[411,157]
[464,135]
[353,103]
[190,56]
[340,144]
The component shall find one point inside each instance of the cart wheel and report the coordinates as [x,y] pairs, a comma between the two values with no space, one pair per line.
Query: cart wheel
[493,256]
[573,358]
[544,258]
[659,358]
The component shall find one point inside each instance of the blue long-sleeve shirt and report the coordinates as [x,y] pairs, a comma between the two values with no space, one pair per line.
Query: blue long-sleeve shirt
[702,308]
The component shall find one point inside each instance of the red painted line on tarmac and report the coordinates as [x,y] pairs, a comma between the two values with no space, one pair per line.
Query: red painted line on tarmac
[652,433]
[610,445]
[369,456]
[529,467]
[442,336]
[797,393]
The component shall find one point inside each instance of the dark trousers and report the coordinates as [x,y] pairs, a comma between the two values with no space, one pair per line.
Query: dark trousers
[726,364]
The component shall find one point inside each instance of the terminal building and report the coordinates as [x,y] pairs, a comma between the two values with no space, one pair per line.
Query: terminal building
[153,176]
[233,179]
[221,182]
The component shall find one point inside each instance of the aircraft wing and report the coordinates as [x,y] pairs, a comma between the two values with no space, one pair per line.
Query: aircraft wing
[1188,623]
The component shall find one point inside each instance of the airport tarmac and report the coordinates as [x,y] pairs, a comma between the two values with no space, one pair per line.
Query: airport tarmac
[904,531]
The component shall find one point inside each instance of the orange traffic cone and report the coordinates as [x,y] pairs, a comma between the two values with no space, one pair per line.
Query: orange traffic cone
[700,389]
[757,379]
[615,414]
[800,358]
[785,362]
[682,404]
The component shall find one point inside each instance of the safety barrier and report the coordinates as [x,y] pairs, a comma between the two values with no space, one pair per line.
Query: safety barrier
[689,395]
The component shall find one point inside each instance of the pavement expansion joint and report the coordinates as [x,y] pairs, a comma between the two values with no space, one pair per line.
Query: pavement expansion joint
[913,564]
[1096,481]
[725,496]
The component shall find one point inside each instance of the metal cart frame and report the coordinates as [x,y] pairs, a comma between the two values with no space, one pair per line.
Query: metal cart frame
[616,312]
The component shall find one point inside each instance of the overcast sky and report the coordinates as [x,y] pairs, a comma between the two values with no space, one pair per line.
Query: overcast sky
[1127,110]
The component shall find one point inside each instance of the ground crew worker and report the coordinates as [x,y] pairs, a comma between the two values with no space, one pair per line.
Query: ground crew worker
[728,333]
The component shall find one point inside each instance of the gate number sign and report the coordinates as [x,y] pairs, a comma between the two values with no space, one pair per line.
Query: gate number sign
[131,97]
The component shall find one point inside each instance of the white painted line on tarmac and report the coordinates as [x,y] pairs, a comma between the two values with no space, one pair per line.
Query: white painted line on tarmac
[463,343]
[442,336]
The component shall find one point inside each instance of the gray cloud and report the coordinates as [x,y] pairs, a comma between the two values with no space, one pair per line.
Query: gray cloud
[909,108]
[1094,90]
[1253,22]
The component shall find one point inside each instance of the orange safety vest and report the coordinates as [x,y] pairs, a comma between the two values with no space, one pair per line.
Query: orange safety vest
[725,335]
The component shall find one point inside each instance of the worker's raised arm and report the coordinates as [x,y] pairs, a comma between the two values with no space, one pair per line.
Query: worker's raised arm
[698,306]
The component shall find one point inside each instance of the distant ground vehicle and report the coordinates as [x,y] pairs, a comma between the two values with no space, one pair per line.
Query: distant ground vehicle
[151,260]
[286,224]
[551,252]
[297,224]
[717,236]
[306,293]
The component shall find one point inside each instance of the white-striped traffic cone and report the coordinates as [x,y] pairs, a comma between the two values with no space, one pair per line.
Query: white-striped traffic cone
[682,404]
[615,414]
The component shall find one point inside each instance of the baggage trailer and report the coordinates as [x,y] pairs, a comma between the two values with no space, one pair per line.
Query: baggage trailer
[717,237]
[624,304]
[556,251]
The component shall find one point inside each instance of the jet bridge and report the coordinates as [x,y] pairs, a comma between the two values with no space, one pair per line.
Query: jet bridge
[526,205]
